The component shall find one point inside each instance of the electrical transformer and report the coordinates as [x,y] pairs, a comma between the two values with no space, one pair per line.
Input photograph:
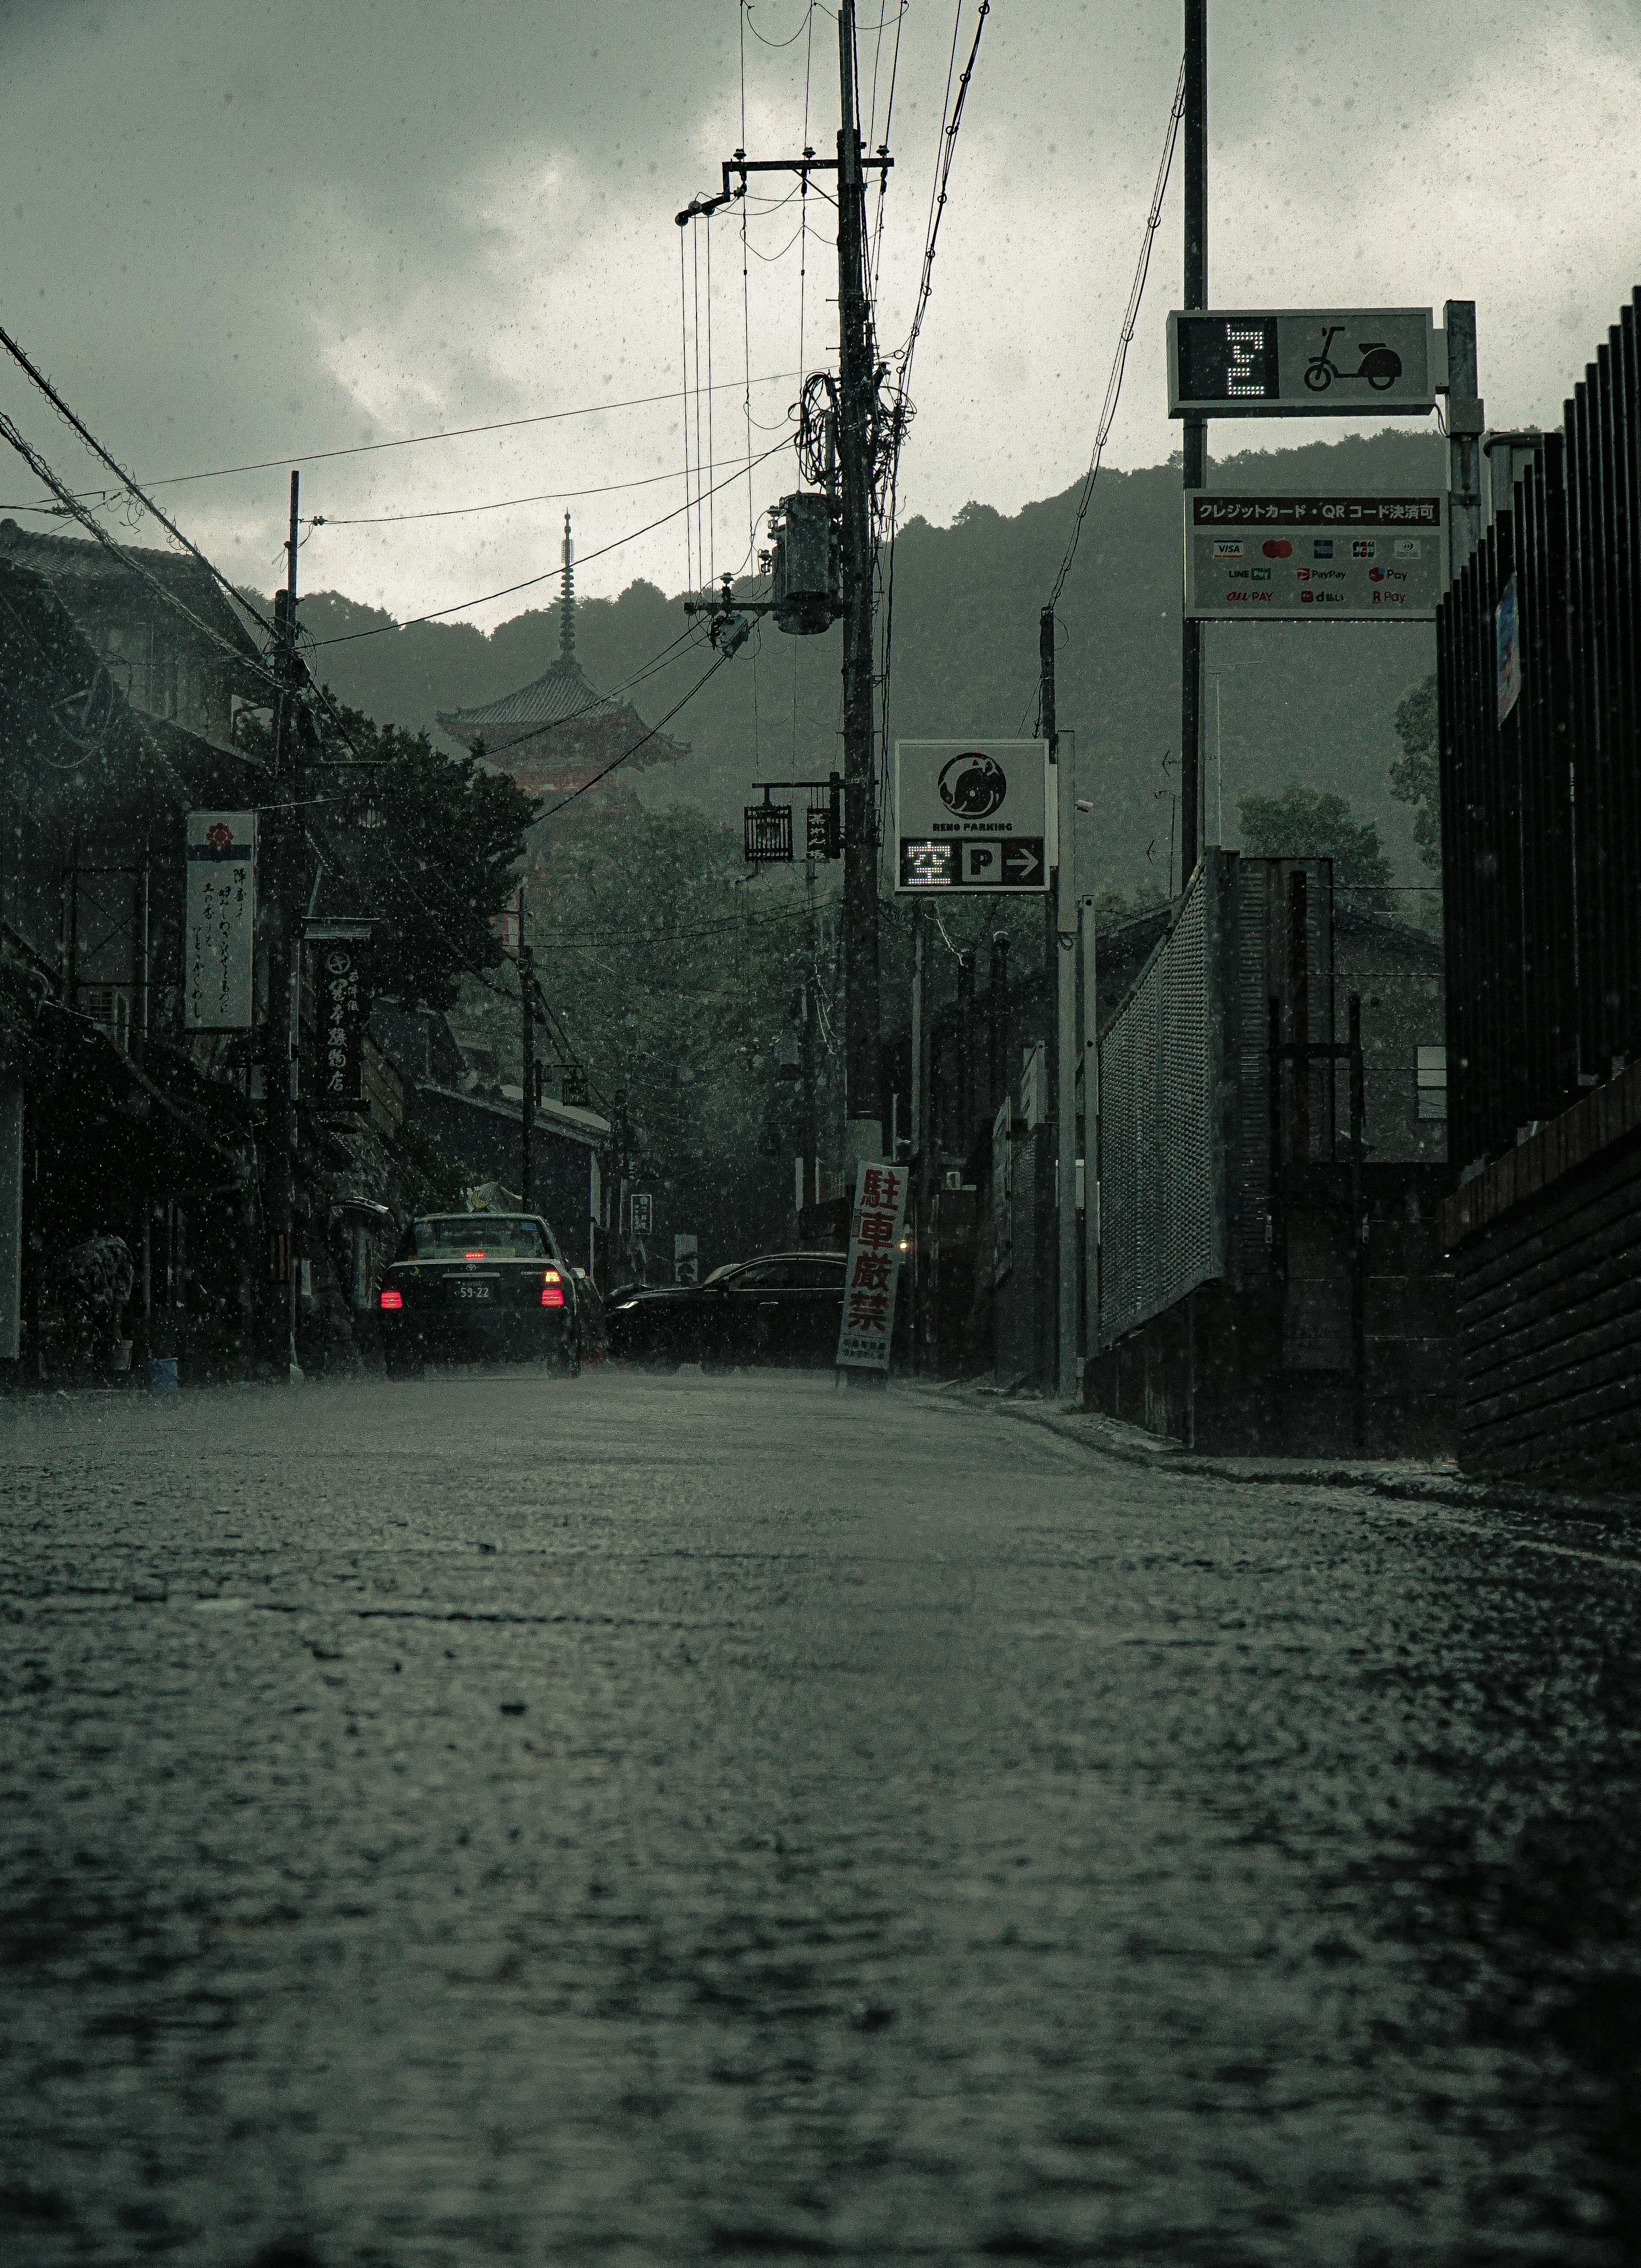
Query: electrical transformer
[805,565]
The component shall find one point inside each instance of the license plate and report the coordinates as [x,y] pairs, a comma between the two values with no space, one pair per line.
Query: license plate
[471,1291]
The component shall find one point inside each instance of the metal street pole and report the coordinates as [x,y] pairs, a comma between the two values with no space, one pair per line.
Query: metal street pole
[1467,417]
[920,1138]
[1090,1120]
[1195,435]
[1048,704]
[862,1072]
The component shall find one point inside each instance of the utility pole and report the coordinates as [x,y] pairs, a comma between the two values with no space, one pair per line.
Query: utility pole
[1466,418]
[1196,437]
[1049,1246]
[920,1138]
[285,967]
[1064,905]
[527,1033]
[857,378]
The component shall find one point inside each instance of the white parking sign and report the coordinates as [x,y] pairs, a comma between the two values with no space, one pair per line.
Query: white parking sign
[973,815]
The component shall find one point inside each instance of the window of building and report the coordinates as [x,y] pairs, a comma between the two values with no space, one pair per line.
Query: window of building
[1432,1083]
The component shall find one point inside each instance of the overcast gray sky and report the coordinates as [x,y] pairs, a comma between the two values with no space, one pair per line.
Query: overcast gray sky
[246,229]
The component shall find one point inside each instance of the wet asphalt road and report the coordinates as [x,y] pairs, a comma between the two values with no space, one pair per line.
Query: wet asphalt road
[651,1822]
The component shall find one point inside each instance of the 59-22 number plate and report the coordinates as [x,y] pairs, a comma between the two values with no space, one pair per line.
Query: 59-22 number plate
[471,1291]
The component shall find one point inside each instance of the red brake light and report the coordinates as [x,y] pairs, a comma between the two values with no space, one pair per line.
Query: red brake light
[552,1295]
[393,1299]
[472,1255]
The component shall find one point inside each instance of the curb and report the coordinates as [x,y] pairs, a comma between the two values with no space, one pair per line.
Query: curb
[1130,1445]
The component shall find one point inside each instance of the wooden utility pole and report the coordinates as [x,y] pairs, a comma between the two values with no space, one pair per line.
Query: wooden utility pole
[284,975]
[862,1106]
[1196,437]
[526,1035]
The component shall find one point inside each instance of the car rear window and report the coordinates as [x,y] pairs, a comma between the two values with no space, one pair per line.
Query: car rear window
[483,1236]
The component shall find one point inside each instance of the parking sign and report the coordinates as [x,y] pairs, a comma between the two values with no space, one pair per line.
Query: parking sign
[973,815]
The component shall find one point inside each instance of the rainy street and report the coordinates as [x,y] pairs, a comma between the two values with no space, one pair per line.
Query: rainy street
[651,1821]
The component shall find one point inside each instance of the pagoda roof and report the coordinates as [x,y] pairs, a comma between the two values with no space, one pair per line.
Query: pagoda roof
[561,693]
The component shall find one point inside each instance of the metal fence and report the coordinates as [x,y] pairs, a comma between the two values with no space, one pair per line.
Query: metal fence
[1162,1183]
[1537,649]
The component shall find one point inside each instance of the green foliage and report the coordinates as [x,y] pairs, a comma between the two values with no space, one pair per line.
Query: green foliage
[672,975]
[1305,823]
[965,657]
[1414,776]
[436,867]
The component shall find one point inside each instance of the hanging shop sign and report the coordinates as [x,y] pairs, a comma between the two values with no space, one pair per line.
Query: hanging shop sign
[1312,362]
[867,1325]
[220,916]
[1316,558]
[339,973]
[973,815]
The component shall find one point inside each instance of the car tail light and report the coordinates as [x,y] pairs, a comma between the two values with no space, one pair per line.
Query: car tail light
[392,1300]
[552,1288]
[472,1255]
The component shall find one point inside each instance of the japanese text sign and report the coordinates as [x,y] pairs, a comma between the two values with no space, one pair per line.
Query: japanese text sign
[867,1325]
[218,953]
[338,970]
[1312,558]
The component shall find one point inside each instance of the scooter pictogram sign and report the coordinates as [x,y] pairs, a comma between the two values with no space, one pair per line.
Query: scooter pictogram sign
[1321,362]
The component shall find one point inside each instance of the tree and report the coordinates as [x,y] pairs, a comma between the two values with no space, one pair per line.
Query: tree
[1415,776]
[1307,822]
[429,845]
[672,974]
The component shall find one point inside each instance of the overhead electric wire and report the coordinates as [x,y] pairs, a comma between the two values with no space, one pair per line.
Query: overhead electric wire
[42,471]
[951,121]
[1136,292]
[436,614]
[502,504]
[40,379]
[807,18]
[711,671]
[404,441]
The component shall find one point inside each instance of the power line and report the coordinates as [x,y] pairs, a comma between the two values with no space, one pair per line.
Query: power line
[40,379]
[711,671]
[502,504]
[436,614]
[1119,364]
[405,441]
[42,471]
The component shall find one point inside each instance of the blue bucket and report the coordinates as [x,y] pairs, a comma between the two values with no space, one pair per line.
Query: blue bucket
[162,1374]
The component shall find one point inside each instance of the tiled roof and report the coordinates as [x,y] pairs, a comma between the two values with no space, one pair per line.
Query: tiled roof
[76,561]
[560,693]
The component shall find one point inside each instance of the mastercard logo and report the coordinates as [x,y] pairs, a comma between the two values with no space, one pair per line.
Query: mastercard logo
[1278,548]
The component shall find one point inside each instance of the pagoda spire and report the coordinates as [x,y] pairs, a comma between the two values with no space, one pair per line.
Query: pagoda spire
[567,613]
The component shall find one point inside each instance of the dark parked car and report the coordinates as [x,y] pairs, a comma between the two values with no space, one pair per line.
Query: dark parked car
[785,1307]
[474,1286]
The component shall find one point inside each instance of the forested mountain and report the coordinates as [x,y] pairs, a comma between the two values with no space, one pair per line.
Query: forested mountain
[1307,703]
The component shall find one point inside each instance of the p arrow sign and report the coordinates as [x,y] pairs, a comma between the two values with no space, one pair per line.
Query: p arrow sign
[1022,862]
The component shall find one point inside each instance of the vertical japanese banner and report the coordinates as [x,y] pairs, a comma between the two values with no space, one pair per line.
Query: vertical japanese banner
[338,968]
[874,1259]
[221,920]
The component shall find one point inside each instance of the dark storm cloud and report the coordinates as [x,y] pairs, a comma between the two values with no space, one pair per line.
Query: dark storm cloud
[237,231]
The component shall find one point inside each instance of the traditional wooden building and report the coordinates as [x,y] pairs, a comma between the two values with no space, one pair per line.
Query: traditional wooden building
[559,733]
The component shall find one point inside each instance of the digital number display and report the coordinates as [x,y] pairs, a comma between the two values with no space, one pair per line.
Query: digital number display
[1228,359]
[927,866]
